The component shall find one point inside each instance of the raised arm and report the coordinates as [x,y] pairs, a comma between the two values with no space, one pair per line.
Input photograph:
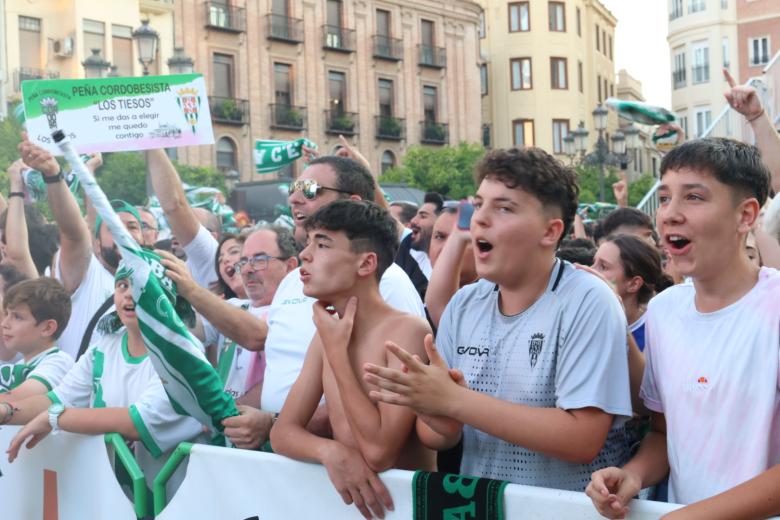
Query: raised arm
[233,322]
[744,99]
[445,278]
[17,248]
[169,189]
[75,240]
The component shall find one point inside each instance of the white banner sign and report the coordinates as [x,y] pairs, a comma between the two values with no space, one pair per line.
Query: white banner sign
[65,477]
[119,114]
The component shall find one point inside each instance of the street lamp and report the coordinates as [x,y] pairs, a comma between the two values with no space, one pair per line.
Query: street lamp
[231,178]
[580,139]
[568,146]
[114,72]
[618,143]
[95,65]
[600,118]
[146,38]
[180,63]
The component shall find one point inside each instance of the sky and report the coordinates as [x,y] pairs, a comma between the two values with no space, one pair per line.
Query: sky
[641,48]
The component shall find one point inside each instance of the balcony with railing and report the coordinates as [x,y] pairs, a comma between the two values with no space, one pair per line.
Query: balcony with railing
[341,123]
[25,73]
[156,6]
[224,17]
[387,48]
[337,38]
[432,132]
[288,117]
[700,73]
[431,56]
[284,28]
[228,110]
[486,142]
[390,128]
[678,78]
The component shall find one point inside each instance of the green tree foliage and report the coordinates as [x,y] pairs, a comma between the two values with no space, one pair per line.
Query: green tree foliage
[448,170]
[639,188]
[589,185]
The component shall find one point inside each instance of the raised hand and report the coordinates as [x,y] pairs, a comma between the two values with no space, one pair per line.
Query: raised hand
[177,270]
[347,151]
[37,158]
[743,98]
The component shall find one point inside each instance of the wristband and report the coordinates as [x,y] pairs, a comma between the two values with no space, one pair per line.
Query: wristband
[756,117]
[16,194]
[53,180]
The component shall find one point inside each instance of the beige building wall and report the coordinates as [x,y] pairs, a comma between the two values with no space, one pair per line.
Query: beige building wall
[60,38]
[646,158]
[542,103]
[697,90]
[254,54]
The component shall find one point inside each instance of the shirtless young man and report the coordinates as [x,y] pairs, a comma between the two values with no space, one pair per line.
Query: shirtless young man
[351,243]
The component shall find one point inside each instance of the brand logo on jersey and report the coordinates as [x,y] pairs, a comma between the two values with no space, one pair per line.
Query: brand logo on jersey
[701,384]
[474,351]
[535,345]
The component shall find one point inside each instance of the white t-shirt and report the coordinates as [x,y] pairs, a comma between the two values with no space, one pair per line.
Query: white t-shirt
[423,261]
[716,378]
[201,255]
[291,329]
[48,367]
[96,287]
[240,369]
[131,382]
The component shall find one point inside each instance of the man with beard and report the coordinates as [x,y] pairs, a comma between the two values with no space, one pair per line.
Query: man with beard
[84,269]
[412,254]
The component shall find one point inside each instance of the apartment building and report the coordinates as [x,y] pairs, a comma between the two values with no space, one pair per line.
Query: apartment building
[645,158]
[385,74]
[546,67]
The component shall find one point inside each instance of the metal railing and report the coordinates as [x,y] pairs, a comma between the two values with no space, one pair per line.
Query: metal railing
[228,110]
[288,117]
[26,73]
[284,28]
[388,48]
[430,56]
[225,17]
[678,78]
[338,38]
[432,132]
[390,128]
[341,123]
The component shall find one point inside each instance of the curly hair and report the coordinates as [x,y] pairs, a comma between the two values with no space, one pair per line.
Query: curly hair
[537,173]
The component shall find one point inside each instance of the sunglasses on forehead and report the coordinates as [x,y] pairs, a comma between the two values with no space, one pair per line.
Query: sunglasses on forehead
[310,189]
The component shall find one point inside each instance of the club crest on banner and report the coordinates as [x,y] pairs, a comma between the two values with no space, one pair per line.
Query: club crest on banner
[189,102]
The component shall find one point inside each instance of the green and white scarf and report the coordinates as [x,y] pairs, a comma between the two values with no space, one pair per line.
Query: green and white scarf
[192,384]
[274,155]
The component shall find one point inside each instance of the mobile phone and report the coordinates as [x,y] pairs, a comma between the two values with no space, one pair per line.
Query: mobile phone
[466,210]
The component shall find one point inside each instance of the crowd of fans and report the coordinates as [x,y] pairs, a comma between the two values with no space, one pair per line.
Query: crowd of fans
[622,357]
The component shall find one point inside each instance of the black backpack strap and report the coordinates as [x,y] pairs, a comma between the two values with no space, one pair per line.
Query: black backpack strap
[91,325]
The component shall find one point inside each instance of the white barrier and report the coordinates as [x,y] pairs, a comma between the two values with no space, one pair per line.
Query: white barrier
[65,477]
[232,484]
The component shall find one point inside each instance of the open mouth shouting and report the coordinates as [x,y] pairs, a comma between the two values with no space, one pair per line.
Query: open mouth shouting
[677,244]
[482,248]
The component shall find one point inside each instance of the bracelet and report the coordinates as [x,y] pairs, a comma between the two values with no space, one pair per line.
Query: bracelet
[9,412]
[53,180]
[756,117]
[16,194]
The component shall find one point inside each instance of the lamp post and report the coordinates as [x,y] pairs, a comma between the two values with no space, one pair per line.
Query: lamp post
[231,178]
[624,142]
[114,72]
[180,63]
[95,65]
[146,38]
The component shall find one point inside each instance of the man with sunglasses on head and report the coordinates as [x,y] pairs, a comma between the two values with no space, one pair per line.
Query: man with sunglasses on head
[268,254]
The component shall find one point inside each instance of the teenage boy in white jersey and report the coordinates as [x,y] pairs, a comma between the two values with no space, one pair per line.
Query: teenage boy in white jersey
[713,347]
[36,312]
[542,346]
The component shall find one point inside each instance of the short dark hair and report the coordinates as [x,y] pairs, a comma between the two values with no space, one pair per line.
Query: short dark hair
[434,198]
[577,250]
[351,176]
[624,217]
[536,172]
[408,210]
[641,259]
[46,298]
[11,276]
[369,227]
[732,162]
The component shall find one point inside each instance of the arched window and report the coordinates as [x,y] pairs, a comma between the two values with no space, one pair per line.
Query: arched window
[226,155]
[388,160]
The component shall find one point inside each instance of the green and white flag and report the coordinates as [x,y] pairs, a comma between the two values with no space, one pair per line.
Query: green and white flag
[119,114]
[192,384]
[274,155]
[639,112]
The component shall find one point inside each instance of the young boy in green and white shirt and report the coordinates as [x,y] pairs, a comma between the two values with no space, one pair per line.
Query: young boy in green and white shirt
[36,312]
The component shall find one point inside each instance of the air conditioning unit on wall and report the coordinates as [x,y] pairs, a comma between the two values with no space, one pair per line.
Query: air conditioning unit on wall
[63,48]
